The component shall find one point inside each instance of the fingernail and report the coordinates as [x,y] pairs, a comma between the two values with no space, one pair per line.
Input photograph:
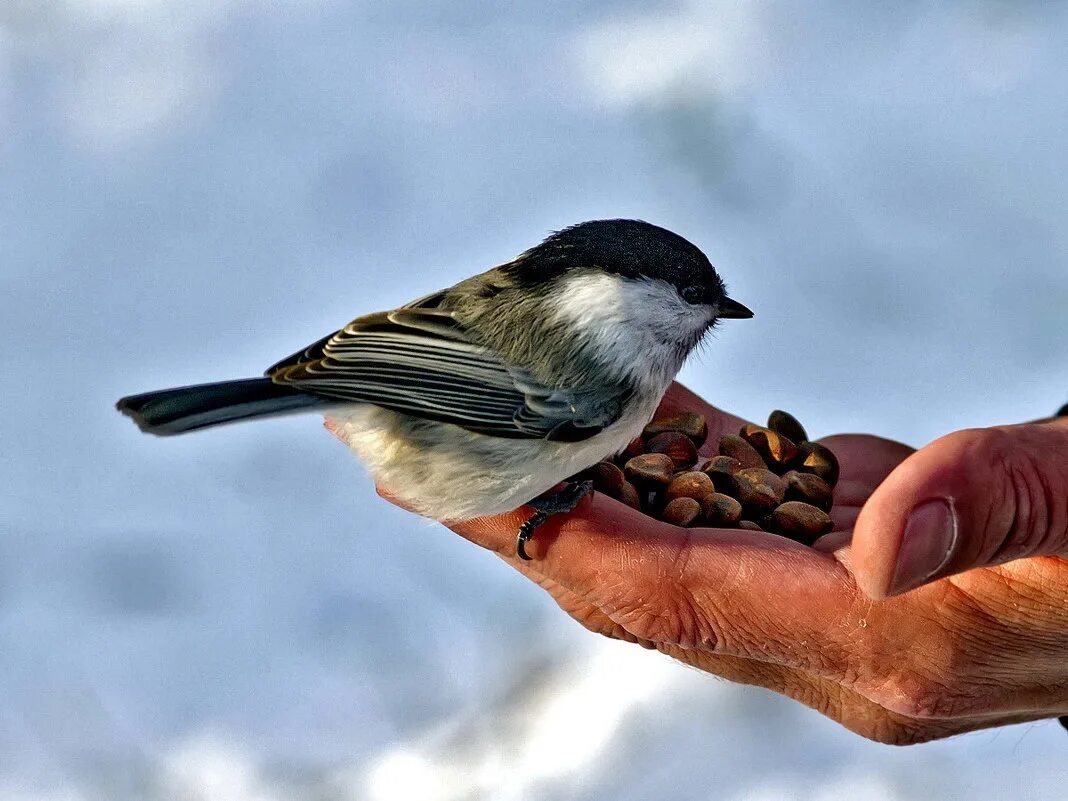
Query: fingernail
[930,537]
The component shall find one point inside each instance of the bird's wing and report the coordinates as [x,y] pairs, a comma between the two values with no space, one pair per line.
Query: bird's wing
[419,360]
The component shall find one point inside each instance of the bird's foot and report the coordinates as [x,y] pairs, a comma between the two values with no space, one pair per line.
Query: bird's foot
[544,506]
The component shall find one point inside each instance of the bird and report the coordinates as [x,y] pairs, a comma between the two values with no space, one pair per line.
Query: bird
[498,391]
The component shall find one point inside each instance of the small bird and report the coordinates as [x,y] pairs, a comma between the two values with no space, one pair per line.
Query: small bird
[487,395]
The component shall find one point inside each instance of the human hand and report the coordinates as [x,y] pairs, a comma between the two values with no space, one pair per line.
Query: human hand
[981,649]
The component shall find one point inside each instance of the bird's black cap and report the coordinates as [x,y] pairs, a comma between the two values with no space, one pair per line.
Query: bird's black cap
[631,248]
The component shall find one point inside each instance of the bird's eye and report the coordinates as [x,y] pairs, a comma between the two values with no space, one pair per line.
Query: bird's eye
[692,293]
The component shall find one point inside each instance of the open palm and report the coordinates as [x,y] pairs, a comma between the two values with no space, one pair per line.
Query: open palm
[760,609]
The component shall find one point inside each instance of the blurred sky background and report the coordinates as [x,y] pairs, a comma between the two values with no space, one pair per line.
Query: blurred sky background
[191,189]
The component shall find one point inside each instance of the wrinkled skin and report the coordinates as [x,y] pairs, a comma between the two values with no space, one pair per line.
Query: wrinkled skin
[982,648]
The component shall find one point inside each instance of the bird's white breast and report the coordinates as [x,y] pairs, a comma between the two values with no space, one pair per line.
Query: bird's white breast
[450,473]
[633,327]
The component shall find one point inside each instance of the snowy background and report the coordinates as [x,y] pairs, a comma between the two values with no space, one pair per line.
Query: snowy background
[190,189]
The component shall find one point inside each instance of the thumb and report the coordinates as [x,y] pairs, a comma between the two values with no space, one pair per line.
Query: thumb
[971,499]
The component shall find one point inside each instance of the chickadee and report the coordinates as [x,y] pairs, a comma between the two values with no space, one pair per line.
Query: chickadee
[485,396]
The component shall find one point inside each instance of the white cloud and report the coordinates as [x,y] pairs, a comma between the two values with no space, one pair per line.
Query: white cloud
[703,46]
[126,92]
[717,47]
[209,769]
[853,784]
[561,729]
[127,70]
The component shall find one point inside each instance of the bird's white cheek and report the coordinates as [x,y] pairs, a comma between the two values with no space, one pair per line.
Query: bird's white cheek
[591,302]
[640,327]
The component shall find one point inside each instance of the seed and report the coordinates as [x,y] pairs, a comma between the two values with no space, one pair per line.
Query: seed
[681,512]
[809,488]
[691,424]
[763,479]
[738,448]
[690,484]
[818,460]
[786,424]
[629,495]
[636,447]
[759,490]
[800,521]
[678,446]
[606,477]
[721,510]
[777,450]
[721,470]
[650,470]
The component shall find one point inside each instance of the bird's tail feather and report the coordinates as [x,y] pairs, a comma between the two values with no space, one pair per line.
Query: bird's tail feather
[175,411]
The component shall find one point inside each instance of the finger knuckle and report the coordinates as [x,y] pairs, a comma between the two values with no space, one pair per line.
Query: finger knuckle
[972,441]
[1028,507]
[1039,508]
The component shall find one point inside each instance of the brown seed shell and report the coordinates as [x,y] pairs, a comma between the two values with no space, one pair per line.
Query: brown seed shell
[778,451]
[818,460]
[678,446]
[692,424]
[809,488]
[786,424]
[636,447]
[749,525]
[690,484]
[759,490]
[607,477]
[650,470]
[721,470]
[800,521]
[681,512]
[628,494]
[738,448]
[721,510]
[722,464]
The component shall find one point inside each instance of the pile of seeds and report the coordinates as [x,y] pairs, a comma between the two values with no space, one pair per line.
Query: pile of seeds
[763,479]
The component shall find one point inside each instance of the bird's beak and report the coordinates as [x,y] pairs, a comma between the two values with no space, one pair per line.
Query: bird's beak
[733,310]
